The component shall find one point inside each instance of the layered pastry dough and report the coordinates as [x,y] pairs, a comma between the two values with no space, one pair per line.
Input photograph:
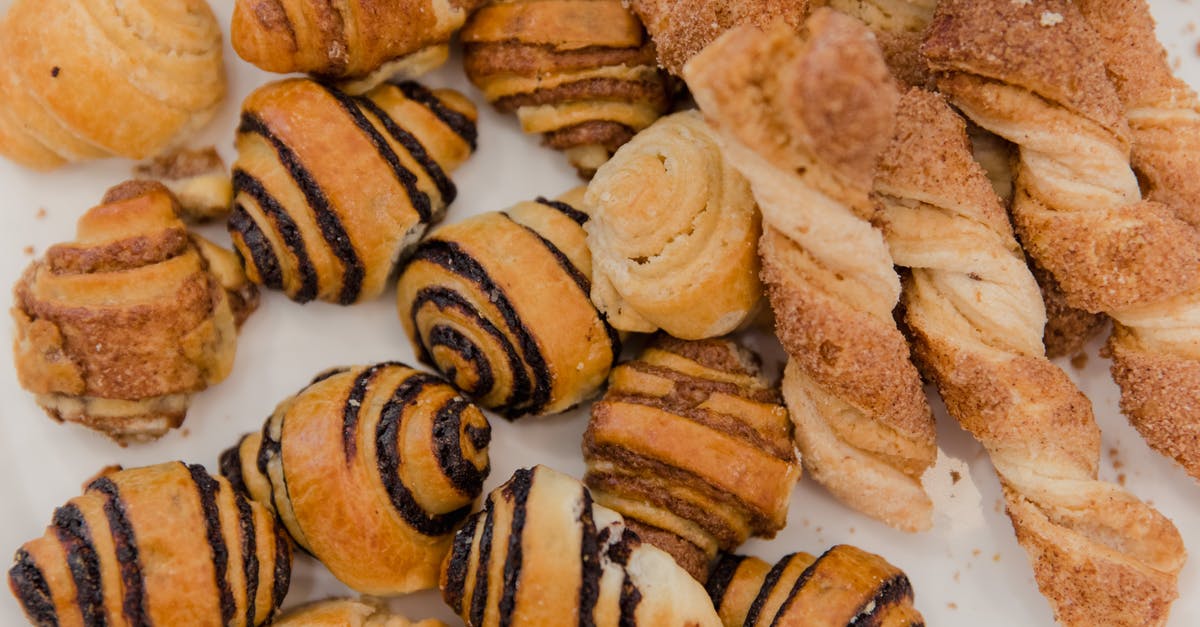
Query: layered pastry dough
[197,178]
[347,613]
[117,329]
[499,302]
[160,545]
[87,79]
[673,234]
[694,448]
[370,469]
[332,190]
[899,27]
[804,119]
[580,72]
[541,553]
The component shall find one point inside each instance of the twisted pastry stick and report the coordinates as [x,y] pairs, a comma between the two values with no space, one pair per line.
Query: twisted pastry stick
[694,448]
[1100,555]
[370,469]
[347,613]
[1078,208]
[332,191]
[844,586]
[672,233]
[540,553]
[899,26]
[159,545]
[804,119]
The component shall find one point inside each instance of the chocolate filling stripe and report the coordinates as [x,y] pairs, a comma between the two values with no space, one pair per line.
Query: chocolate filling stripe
[325,374]
[447,447]
[721,576]
[420,200]
[75,538]
[133,603]
[571,212]
[262,255]
[459,123]
[207,487]
[456,567]
[230,465]
[800,583]
[892,591]
[30,587]
[287,229]
[282,572]
[764,592]
[620,553]
[518,489]
[353,408]
[479,592]
[249,539]
[453,339]
[589,561]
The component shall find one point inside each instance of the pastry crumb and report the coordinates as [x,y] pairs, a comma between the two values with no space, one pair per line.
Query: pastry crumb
[995,557]
[1079,361]
[955,476]
[957,575]
[1121,479]
[1050,18]
[41,213]
[952,605]
[975,552]
[28,250]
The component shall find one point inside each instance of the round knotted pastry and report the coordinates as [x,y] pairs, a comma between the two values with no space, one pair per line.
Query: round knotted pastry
[370,469]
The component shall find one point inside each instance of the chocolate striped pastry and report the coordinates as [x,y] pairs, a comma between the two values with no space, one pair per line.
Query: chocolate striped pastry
[160,545]
[332,190]
[370,469]
[117,329]
[694,448]
[844,586]
[348,613]
[541,553]
[581,72]
[499,302]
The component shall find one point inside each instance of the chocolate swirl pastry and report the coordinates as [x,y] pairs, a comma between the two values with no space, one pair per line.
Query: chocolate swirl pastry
[348,613]
[301,224]
[694,448]
[582,72]
[844,586]
[499,302]
[160,545]
[119,328]
[541,553]
[370,469]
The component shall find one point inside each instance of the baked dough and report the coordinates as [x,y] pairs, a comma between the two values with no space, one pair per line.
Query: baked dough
[198,179]
[347,613]
[899,26]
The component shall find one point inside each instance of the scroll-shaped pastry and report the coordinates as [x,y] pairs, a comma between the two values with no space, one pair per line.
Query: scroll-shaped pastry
[499,303]
[119,328]
[694,448]
[88,80]
[197,178]
[1078,207]
[804,119]
[347,613]
[899,26]
[370,469]
[160,545]
[541,553]
[332,191]
[581,72]
[844,586]
[673,234]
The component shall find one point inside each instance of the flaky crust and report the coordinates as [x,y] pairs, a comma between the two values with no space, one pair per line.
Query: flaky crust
[198,179]
[804,119]
[347,613]
[899,26]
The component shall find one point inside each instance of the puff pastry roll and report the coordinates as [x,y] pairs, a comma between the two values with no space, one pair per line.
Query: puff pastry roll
[694,448]
[117,329]
[581,72]
[499,302]
[541,553]
[301,223]
[673,234]
[160,545]
[844,586]
[73,68]
[370,469]
[347,613]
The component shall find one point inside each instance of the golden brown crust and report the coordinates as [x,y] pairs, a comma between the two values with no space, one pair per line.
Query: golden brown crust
[1068,328]
[348,613]
[197,178]
[899,25]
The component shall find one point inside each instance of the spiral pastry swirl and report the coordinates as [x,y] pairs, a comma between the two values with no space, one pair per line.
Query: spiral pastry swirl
[370,469]
[347,613]
[673,234]
[160,545]
[301,224]
[473,300]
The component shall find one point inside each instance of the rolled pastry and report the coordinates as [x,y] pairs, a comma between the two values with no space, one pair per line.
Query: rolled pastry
[347,613]
[198,179]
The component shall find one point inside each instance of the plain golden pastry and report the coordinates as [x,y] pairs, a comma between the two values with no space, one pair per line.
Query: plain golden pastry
[370,469]
[804,119]
[975,312]
[580,72]
[73,68]
[117,329]
[347,613]
[160,545]
[842,587]
[197,178]
[1078,207]
[694,448]
[673,234]
[499,303]
[331,191]
[358,42]
[899,27]
[541,553]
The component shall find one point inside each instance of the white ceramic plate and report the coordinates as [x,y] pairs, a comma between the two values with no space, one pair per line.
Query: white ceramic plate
[967,570]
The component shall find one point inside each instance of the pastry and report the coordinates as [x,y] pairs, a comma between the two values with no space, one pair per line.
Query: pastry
[541,553]
[1078,208]
[359,42]
[899,26]
[347,613]
[197,178]
[804,119]
[499,303]
[845,586]
[580,72]
[1099,554]
[673,234]
[302,222]
[72,69]
[160,545]
[370,469]
[119,328]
